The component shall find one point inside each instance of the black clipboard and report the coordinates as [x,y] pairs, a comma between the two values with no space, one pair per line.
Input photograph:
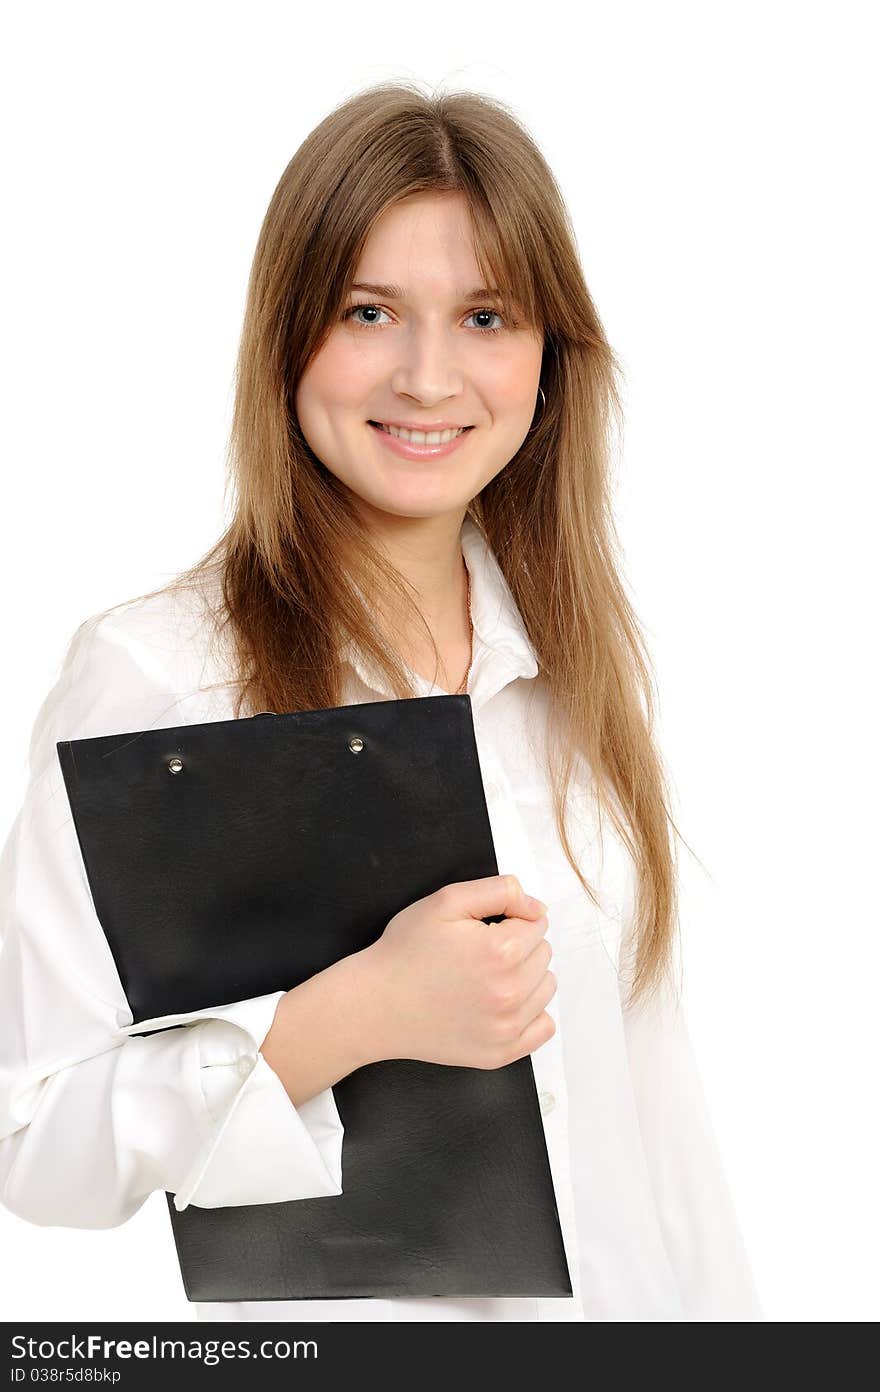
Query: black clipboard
[234,858]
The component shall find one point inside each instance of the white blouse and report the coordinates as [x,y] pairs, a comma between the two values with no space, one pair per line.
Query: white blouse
[647,1220]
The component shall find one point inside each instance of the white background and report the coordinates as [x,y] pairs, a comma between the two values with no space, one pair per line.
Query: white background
[719,162]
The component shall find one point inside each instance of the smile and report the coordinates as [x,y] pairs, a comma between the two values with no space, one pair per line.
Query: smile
[416,444]
[422,437]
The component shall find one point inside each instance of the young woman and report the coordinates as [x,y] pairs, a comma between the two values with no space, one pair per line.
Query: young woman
[420,453]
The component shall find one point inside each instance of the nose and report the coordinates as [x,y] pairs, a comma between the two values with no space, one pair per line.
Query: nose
[428,369]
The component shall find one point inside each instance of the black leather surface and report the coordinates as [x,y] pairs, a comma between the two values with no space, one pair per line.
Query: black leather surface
[274,852]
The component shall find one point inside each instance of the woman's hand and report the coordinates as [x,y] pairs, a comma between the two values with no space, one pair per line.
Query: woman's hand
[449,988]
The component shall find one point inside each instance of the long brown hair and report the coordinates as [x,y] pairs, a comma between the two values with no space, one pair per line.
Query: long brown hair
[546,515]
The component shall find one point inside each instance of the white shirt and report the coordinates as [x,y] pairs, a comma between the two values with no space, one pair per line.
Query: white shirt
[649,1228]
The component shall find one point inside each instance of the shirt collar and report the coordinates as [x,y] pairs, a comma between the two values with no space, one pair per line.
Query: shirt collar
[502,648]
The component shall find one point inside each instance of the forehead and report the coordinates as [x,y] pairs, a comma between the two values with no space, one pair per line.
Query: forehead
[423,245]
[424,251]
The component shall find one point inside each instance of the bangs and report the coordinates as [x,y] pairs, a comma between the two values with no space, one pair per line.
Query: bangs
[503,265]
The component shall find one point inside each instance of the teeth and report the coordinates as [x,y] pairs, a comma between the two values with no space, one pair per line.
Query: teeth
[419,437]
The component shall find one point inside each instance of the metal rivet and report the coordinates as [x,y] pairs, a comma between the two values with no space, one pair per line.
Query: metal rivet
[356,744]
[175,766]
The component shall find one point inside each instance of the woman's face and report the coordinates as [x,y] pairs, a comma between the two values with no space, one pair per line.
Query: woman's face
[422,355]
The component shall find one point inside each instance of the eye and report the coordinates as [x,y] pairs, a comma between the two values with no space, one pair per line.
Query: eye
[484,328]
[350,313]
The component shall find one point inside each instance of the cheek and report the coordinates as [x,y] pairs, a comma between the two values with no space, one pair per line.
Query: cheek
[336,380]
[511,380]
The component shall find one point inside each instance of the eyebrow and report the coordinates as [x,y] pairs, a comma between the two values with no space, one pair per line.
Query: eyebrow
[394,292]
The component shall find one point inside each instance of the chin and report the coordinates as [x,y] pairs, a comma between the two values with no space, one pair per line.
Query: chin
[415,507]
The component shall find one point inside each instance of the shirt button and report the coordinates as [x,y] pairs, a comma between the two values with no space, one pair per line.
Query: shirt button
[493,792]
[244,1067]
[547,1101]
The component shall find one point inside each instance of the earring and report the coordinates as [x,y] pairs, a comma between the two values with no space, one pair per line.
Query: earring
[543,397]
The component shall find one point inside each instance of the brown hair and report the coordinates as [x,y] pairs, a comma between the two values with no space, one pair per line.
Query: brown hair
[546,515]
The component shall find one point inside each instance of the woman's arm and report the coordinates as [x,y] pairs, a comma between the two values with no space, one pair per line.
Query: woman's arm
[92,1119]
[324,1028]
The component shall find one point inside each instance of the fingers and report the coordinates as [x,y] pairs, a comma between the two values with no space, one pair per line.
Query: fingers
[535,1002]
[540,1029]
[495,894]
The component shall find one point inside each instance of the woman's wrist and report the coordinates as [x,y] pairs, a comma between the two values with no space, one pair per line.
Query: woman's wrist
[372,1004]
[328,1026]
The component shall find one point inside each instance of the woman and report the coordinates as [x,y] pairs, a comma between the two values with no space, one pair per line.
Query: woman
[415,271]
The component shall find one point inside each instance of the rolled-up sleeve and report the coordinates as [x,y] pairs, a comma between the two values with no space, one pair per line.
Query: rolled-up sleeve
[96,1112]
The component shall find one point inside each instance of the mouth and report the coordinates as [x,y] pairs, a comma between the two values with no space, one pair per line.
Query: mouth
[417,444]
[420,437]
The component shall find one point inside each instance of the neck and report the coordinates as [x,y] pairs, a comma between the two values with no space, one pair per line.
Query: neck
[427,553]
